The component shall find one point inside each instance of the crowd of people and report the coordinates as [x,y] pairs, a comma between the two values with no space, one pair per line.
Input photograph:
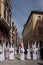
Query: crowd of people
[9,52]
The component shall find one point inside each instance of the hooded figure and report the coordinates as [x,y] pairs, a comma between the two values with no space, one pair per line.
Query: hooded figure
[21,51]
[3,51]
[34,51]
[38,51]
[1,54]
[11,53]
[28,52]
[15,50]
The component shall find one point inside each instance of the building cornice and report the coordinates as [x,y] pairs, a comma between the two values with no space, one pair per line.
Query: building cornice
[32,12]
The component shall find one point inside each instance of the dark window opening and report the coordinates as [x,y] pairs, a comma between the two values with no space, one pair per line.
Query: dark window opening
[5,12]
[39,17]
[40,30]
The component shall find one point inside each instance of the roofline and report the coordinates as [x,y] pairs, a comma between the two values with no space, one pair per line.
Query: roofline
[35,12]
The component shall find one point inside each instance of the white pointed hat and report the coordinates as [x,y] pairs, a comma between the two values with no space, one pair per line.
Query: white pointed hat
[28,46]
[35,44]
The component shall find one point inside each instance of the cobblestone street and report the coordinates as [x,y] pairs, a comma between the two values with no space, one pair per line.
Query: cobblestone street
[17,61]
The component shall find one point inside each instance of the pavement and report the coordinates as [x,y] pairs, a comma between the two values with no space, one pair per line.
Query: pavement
[17,61]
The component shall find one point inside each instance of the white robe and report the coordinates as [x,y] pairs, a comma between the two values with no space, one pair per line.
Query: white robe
[34,54]
[11,53]
[1,55]
[28,54]
[22,54]
[38,53]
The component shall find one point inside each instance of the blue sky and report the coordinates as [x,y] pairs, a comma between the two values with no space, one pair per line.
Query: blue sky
[21,10]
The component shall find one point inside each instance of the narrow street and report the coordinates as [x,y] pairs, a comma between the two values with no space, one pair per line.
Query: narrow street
[21,32]
[17,61]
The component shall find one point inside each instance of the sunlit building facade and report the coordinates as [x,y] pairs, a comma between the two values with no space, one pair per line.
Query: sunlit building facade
[5,21]
[33,30]
[14,33]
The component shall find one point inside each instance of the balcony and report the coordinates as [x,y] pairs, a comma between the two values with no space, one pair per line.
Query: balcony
[4,24]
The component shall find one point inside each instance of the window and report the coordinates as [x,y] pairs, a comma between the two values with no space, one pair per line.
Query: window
[40,30]
[7,16]
[10,19]
[7,3]
[39,19]
[5,12]
[12,23]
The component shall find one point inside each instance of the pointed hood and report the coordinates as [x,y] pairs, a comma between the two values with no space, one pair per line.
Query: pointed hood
[35,45]
[38,45]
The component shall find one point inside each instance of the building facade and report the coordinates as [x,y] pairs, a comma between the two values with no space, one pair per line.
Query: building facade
[14,33]
[33,30]
[5,20]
